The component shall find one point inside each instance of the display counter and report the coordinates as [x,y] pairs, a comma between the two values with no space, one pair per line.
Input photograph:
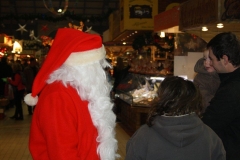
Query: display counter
[134,98]
[131,117]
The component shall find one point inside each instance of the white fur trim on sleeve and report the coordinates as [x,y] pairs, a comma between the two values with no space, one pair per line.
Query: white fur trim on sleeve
[30,100]
[86,57]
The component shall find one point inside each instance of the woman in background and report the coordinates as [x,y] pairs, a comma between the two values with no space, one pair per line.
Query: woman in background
[18,90]
[206,79]
[174,130]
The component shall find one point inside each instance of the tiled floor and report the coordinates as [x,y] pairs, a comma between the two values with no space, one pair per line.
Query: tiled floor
[14,137]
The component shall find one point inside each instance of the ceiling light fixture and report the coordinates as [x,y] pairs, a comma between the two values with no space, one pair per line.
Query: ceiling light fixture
[162,34]
[51,7]
[220,25]
[204,29]
[59,10]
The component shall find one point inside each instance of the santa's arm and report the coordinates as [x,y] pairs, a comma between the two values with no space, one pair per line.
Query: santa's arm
[58,121]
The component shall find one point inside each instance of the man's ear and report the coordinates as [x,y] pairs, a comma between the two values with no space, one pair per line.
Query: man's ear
[225,59]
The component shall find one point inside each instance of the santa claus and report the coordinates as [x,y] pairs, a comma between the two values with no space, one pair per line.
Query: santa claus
[73,117]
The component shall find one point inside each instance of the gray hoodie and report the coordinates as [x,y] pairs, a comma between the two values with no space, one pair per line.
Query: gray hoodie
[207,83]
[175,138]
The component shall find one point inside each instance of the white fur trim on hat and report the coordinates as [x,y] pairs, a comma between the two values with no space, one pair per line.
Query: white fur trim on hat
[86,57]
[30,100]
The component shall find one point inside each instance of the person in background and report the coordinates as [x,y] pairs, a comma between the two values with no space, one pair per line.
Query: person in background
[5,88]
[19,62]
[206,79]
[18,91]
[108,72]
[120,72]
[24,63]
[5,71]
[223,113]
[174,130]
[73,117]
[30,73]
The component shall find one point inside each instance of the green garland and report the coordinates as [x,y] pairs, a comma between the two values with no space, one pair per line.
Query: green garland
[32,45]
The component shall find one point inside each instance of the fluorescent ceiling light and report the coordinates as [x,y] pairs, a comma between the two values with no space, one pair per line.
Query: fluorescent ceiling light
[220,25]
[204,29]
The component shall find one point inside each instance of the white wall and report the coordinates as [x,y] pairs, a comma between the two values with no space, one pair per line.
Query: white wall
[184,65]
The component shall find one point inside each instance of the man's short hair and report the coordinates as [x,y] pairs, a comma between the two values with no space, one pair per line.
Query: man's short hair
[228,44]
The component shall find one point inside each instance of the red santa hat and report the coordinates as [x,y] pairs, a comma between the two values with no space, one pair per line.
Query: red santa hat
[70,47]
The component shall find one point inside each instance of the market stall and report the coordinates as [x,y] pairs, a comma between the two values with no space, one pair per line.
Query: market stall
[134,97]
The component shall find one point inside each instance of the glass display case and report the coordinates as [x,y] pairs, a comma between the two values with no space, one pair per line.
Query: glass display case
[139,90]
[134,97]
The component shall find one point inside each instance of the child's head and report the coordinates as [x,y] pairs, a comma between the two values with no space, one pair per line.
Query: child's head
[176,97]
[207,62]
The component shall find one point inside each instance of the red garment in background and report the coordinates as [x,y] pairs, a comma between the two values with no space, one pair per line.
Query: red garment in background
[17,82]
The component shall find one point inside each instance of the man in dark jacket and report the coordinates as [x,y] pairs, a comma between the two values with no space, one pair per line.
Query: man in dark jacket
[223,113]
[30,73]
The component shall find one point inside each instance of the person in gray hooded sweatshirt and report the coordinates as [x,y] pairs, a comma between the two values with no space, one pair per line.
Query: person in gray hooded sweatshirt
[174,130]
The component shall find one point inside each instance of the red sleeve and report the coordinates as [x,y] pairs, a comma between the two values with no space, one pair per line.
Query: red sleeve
[16,81]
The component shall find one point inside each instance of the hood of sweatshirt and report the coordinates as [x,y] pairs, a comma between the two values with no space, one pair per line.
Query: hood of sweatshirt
[199,68]
[180,131]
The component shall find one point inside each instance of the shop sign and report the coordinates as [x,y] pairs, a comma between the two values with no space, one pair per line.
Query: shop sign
[167,19]
[137,14]
[196,13]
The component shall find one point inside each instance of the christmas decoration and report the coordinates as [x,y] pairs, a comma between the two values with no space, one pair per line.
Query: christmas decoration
[47,41]
[32,45]
[51,8]
[139,42]
[165,44]
[88,29]
[17,47]
[22,28]
[191,45]
[80,27]
[66,16]
[3,50]
[44,28]
[32,36]
[167,41]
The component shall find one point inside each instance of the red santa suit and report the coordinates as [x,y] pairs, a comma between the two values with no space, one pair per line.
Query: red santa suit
[70,115]
[63,126]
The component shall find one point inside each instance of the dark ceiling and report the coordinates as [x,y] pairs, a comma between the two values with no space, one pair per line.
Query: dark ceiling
[37,13]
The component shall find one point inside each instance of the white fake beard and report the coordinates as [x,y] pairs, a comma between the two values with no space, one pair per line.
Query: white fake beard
[91,84]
